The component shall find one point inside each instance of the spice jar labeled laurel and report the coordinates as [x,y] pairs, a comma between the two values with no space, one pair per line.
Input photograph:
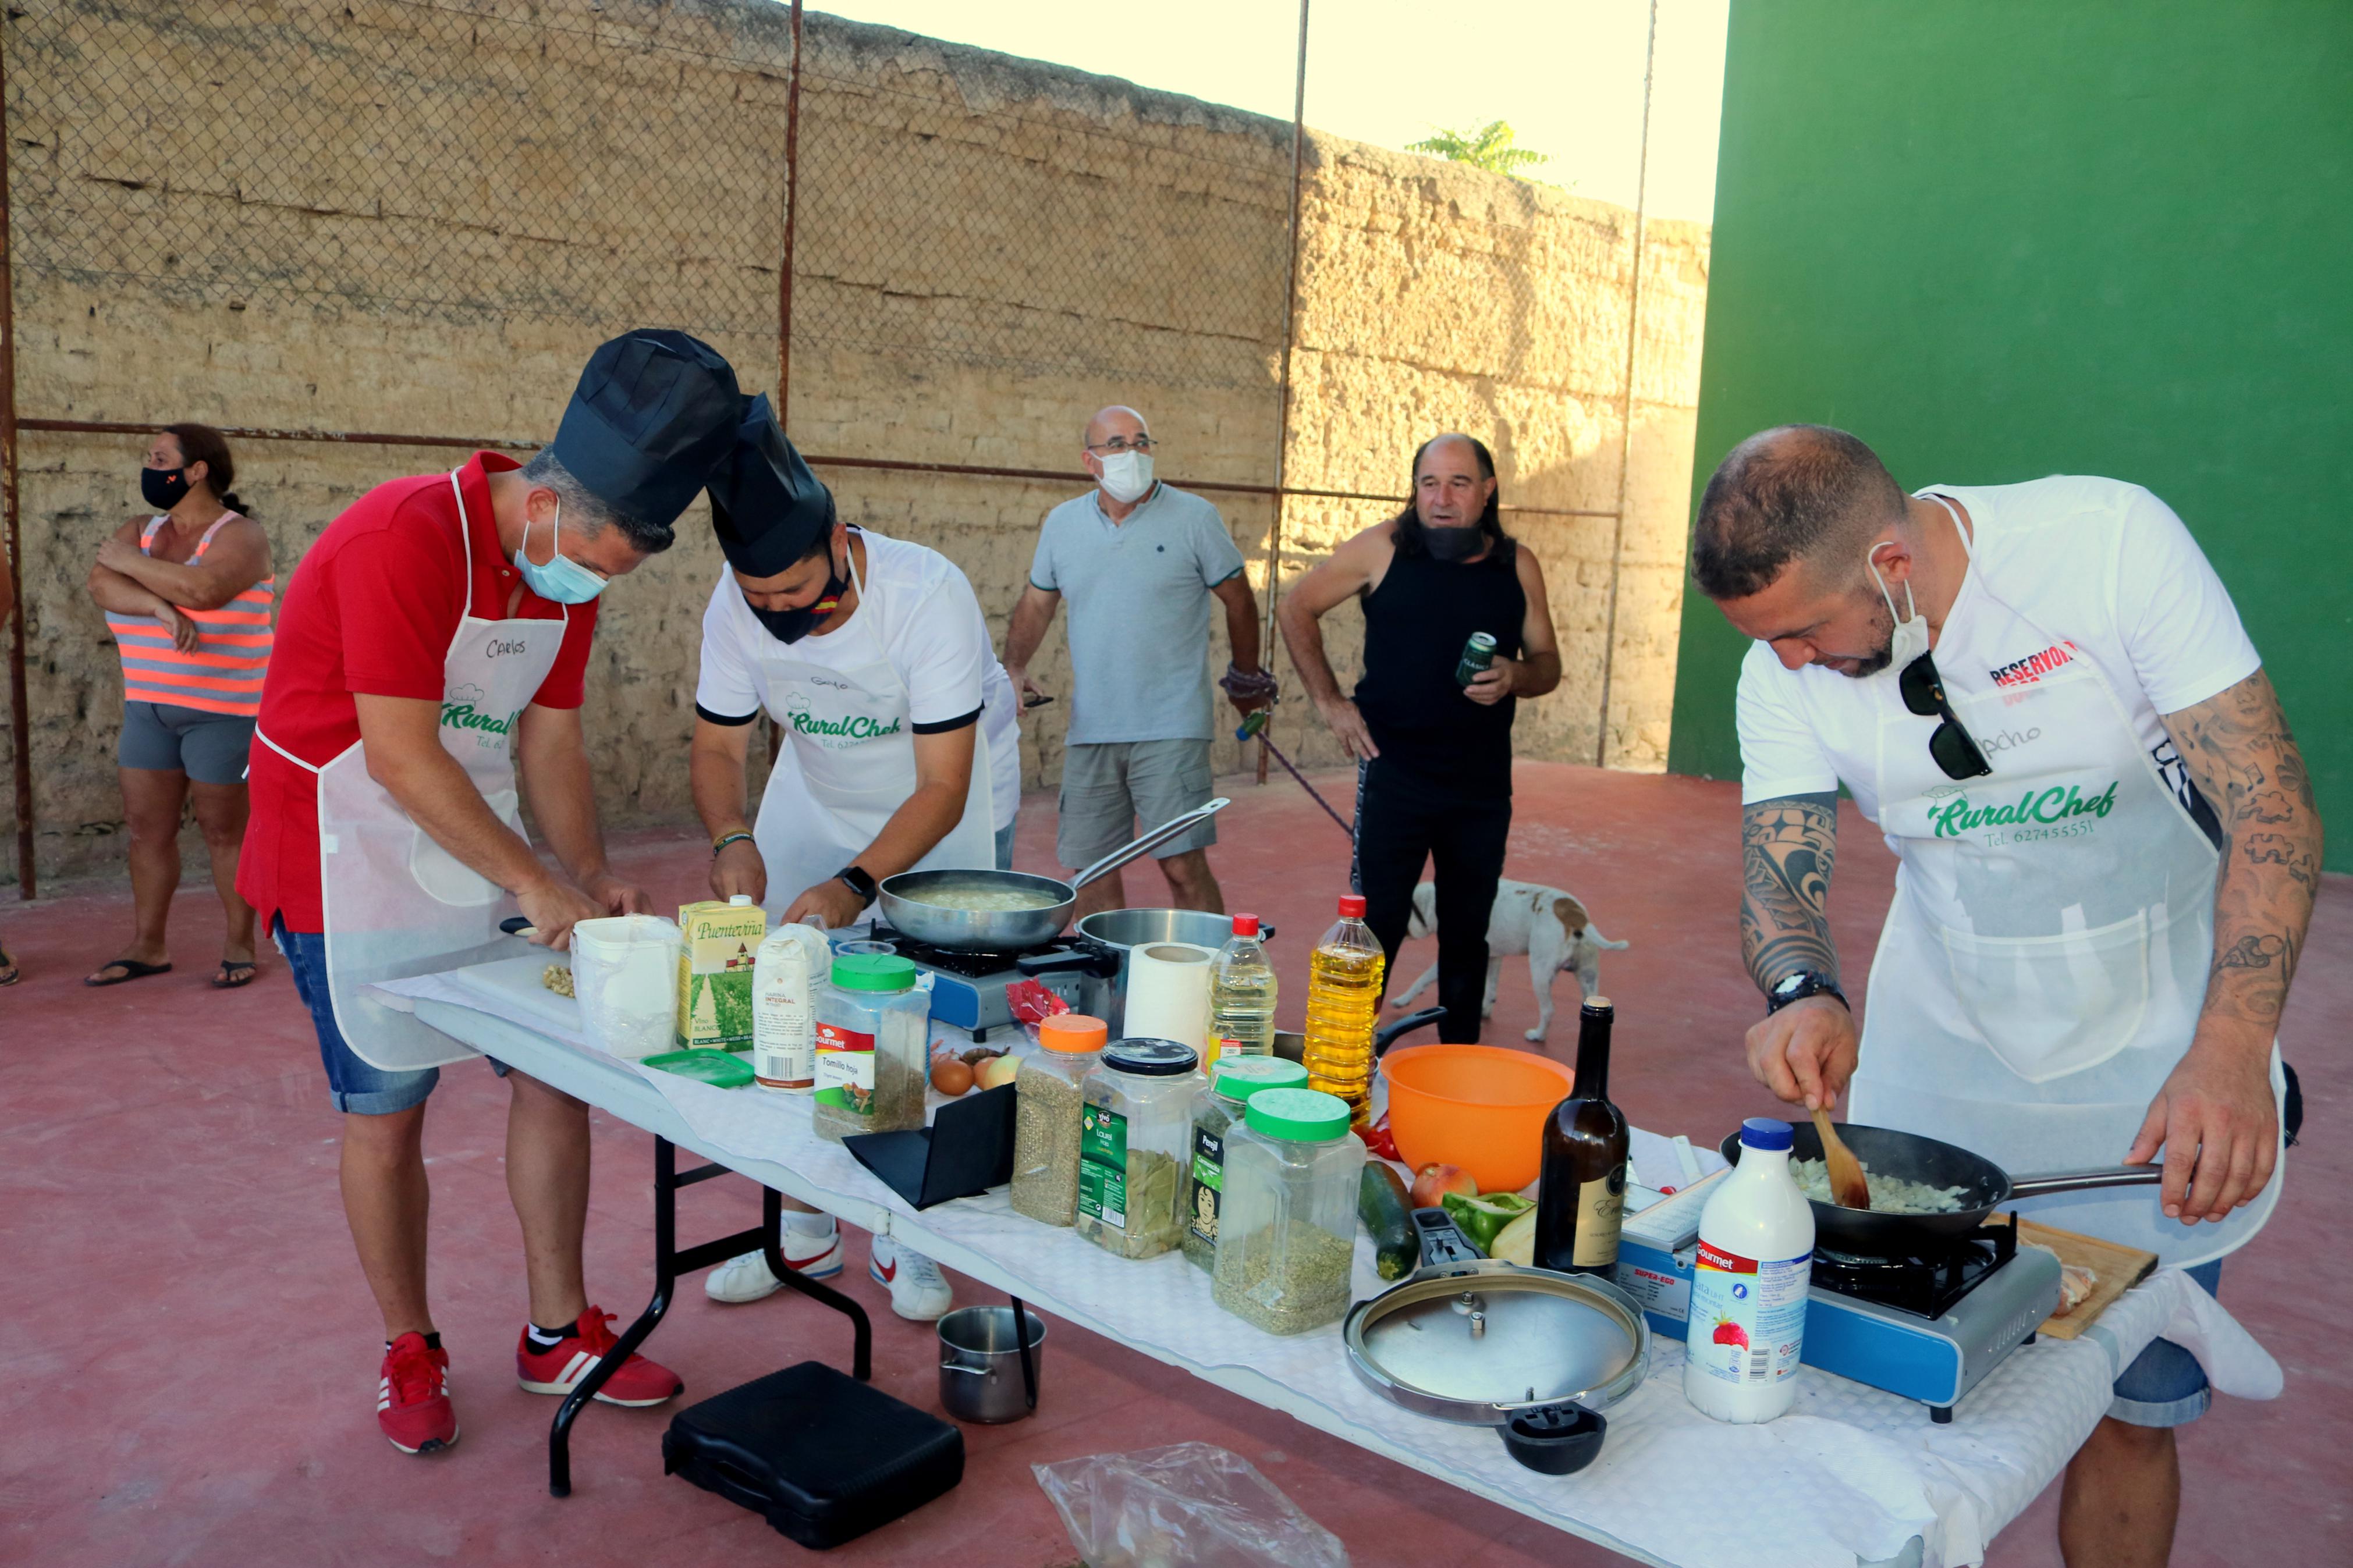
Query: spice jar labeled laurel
[1287,1227]
[872,1027]
[1134,1120]
[1215,1108]
[1045,1115]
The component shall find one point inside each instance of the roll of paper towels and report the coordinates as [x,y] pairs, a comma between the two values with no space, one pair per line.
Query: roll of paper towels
[1168,993]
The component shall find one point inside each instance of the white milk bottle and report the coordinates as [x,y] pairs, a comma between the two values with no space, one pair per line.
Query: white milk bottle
[783,1007]
[1747,1324]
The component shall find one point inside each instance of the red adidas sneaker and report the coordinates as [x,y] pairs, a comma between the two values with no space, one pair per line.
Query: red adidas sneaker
[411,1402]
[638,1380]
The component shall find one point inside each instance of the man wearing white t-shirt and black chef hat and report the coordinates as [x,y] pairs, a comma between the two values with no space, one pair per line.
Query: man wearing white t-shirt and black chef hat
[872,656]
[2042,696]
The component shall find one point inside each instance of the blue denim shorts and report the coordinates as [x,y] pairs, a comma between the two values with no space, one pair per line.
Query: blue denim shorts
[2165,1387]
[354,1085]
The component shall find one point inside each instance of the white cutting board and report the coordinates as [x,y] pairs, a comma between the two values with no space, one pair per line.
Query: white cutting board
[515,982]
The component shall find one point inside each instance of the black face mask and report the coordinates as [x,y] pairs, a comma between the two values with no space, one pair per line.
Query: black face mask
[791,626]
[162,488]
[1454,543]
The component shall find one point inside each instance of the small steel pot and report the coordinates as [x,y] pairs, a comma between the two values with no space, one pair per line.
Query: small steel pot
[1123,931]
[986,1377]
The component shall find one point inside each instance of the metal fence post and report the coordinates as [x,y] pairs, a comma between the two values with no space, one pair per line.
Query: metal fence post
[1282,395]
[20,725]
[1626,403]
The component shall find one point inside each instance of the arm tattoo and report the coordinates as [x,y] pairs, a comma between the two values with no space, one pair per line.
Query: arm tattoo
[2245,760]
[1788,848]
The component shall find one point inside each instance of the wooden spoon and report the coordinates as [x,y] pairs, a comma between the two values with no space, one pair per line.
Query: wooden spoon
[1848,1186]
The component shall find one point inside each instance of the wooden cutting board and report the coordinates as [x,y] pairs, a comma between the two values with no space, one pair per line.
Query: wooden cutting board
[2118,1269]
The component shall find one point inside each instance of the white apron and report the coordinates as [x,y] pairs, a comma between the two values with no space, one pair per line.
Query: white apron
[852,763]
[2044,960]
[395,904]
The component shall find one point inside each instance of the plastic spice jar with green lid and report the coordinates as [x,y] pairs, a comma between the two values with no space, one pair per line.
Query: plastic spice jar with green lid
[1215,1108]
[1134,1123]
[873,1032]
[1287,1226]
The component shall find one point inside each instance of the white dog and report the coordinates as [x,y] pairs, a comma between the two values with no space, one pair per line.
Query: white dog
[1546,923]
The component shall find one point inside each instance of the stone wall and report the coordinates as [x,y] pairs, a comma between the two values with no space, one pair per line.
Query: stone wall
[394,217]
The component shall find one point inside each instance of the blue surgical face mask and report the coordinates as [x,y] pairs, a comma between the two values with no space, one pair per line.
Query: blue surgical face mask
[563,581]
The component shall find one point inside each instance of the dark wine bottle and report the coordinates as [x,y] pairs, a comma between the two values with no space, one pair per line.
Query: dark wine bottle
[1581,1197]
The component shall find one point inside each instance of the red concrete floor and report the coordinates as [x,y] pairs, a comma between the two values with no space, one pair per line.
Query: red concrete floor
[191,1357]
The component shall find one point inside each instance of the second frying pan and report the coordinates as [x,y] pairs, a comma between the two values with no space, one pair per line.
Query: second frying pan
[1907,1156]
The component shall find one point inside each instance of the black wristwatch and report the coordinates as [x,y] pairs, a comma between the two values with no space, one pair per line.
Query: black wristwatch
[858,882]
[1798,986]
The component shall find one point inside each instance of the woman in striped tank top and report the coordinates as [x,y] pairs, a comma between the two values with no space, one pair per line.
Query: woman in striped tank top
[186,592]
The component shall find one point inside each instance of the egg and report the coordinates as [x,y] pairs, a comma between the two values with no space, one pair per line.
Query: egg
[999,1071]
[951,1077]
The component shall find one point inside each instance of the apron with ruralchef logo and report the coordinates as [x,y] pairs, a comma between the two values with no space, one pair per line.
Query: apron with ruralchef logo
[397,904]
[852,761]
[2045,956]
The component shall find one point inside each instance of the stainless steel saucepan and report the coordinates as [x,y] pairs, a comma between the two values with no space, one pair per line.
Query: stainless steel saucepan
[909,900]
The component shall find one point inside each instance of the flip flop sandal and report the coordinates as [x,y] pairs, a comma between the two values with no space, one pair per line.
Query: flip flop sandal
[132,970]
[234,974]
[9,964]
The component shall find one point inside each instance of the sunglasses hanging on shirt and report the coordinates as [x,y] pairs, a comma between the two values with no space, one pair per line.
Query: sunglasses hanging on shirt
[1950,743]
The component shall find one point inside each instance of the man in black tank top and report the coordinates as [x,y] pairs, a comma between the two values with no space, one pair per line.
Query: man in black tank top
[1434,756]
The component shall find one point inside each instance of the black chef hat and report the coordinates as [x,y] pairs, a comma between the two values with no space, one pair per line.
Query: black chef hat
[654,411]
[769,511]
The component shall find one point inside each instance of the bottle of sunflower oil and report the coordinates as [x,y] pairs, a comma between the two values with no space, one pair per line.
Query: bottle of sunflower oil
[1344,999]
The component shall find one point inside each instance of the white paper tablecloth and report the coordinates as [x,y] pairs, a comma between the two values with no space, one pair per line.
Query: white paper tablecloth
[1851,1474]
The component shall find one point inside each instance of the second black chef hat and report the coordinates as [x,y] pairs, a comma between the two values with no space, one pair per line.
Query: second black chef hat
[768,510]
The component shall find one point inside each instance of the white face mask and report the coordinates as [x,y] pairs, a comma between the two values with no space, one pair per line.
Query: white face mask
[1911,639]
[1126,476]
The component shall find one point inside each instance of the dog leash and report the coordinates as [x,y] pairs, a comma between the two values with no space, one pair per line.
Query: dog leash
[1252,728]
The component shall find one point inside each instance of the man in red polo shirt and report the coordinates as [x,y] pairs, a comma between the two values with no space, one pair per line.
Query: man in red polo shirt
[427,677]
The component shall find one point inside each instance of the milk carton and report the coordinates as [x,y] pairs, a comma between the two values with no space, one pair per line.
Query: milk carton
[715,972]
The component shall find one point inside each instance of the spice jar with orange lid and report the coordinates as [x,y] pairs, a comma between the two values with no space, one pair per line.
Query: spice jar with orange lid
[1046,1108]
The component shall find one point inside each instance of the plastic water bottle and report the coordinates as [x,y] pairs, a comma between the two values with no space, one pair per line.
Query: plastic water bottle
[1747,1324]
[1241,992]
[1344,1000]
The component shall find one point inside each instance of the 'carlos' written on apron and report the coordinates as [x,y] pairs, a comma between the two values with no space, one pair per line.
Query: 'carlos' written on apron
[2044,960]
[396,903]
[852,763]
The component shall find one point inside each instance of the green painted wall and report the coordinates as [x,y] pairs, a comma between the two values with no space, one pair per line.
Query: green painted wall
[1999,240]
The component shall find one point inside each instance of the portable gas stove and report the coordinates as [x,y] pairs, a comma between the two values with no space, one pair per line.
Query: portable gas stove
[968,988]
[1928,1325]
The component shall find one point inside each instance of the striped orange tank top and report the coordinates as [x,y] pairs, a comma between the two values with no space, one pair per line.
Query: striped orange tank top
[223,675]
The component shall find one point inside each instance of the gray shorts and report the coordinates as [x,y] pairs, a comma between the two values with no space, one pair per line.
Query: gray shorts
[1113,792]
[160,737]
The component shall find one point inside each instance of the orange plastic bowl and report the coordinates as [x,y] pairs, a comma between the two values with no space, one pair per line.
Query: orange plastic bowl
[1479,1107]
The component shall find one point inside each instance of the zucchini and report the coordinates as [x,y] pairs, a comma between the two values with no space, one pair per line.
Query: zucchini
[1382,1205]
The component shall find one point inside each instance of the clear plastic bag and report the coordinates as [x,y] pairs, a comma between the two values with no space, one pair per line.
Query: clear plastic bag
[1188,1505]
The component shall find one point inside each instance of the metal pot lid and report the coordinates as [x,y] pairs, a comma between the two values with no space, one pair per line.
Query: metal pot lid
[1474,1342]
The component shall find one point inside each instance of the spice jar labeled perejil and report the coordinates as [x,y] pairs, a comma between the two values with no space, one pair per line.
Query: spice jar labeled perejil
[1046,1116]
[1287,1229]
[872,1058]
[1232,1081]
[1136,1120]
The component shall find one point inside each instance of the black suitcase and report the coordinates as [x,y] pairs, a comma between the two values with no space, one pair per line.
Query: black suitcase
[821,1456]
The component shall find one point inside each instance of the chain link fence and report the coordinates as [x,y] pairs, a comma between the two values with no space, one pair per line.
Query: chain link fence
[414,217]
[402,159]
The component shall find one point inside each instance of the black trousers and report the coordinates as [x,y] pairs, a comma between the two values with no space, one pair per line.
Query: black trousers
[1402,823]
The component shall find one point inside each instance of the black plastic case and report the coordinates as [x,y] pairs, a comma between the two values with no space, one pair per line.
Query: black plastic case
[821,1456]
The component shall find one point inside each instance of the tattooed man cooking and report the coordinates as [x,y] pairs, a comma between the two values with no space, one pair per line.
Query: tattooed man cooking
[2041,694]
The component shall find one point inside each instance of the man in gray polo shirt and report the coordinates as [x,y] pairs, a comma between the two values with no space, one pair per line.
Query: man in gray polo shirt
[1139,562]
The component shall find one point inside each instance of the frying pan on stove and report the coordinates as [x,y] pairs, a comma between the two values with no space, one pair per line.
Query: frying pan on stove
[1907,1156]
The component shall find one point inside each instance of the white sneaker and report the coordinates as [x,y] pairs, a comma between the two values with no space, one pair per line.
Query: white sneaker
[749,1279]
[919,1291]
